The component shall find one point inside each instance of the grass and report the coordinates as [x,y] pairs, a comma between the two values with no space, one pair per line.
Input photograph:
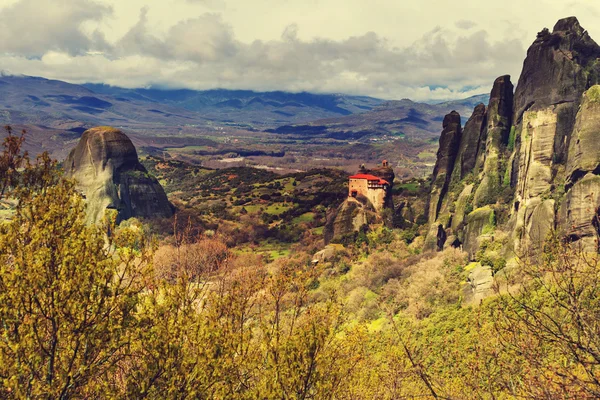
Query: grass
[273,209]
[186,148]
[593,94]
[277,208]
[411,187]
[272,250]
[425,155]
[289,186]
[306,217]
[275,254]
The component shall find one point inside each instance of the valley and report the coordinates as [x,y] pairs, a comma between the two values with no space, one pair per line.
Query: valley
[211,128]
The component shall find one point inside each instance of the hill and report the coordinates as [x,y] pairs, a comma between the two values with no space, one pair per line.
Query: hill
[246,108]
[404,118]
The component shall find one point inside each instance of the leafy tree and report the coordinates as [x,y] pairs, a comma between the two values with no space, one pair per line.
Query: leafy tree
[550,326]
[68,292]
[11,159]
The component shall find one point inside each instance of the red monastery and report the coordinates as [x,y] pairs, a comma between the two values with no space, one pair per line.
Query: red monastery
[369,186]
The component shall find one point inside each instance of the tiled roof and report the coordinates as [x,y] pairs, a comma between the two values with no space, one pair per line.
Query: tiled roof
[370,178]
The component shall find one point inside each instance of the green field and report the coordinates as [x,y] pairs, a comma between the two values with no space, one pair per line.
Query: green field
[306,217]
[273,209]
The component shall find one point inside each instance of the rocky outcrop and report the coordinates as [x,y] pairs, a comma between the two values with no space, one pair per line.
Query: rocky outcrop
[584,145]
[446,157]
[555,146]
[327,254]
[107,170]
[534,181]
[528,166]
[472,143]
[478,152]
[499,118]
[480,224]
[579,218]
[480,282]
[351,217]
[559,67]
[365,205]
[580,212]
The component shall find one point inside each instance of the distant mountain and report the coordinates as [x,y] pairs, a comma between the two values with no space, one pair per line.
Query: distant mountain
[245,107]
[393,118]
[56,113]
[61,105]
[469,102]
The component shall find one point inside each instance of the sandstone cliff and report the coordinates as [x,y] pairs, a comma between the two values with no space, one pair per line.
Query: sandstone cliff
[107,170]
[528,164]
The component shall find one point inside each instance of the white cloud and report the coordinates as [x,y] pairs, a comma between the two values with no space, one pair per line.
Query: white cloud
[31,28]
[380,49]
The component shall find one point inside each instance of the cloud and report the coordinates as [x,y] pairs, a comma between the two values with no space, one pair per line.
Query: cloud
[214,4]
[465,24]
[203,52]
[31,29]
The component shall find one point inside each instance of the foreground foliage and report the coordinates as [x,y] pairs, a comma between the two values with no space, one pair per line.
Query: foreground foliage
[96,312]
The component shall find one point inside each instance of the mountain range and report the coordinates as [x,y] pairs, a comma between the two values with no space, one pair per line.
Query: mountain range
[56,113]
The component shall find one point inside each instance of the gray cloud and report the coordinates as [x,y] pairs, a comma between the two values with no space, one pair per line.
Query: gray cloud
[32,29]
[465,24]
[203,52]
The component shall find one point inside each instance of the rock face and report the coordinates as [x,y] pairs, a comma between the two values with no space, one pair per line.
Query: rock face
[106,167]
[584,146]
[579,218]
[499,118]
[479,226]
[527,166]
[481,283]
[549,158]
[446,157]
[450,146]
[478,151]
[351,217]
[472,143]
[530,160]
[559,67]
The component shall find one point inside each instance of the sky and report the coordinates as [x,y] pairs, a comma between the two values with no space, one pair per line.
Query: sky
[424,50]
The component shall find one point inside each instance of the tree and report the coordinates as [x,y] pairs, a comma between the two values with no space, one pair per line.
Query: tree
[11,159]
[68,291]
[551,326]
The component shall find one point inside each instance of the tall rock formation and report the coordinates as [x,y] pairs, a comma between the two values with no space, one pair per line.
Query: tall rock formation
[472,144]
[529,164]
[107,170]
[499,119]
[446,158]
[479,152]
[559,67]
[579,217]
[450,141]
